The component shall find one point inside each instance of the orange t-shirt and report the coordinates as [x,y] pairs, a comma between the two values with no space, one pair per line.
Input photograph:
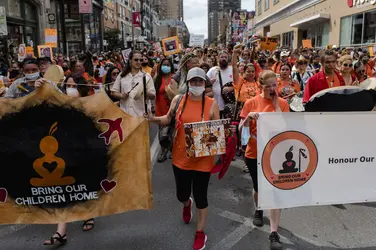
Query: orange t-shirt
[287,88]
[247,89]
[259,104]
[369,69]
[192,113]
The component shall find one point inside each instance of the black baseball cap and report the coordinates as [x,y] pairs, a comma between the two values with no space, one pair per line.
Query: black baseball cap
[30,60]
[44,59]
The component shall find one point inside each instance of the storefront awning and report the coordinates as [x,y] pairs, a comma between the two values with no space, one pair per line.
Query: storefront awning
[311,20]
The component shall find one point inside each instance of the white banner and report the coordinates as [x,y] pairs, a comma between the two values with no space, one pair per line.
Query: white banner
[3,22]
[196,40]
[307,159]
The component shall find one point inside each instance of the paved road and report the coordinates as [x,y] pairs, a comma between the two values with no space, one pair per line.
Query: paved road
[229,225]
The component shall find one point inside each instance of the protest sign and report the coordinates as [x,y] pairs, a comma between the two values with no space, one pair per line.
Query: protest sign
[306,159]
[51,37]
[29,51]
[196,40]
[307,43]
[70,158]
[125,53]
[206,138]
[44,51]
[171,46]
[268,43]
[85,7]
[21,52]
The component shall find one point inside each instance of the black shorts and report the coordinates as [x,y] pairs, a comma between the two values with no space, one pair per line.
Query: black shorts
[252,167]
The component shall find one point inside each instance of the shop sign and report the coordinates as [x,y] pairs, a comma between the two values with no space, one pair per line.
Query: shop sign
[360,3]
[3,22]
[51,37]
[136,19]
[85,7]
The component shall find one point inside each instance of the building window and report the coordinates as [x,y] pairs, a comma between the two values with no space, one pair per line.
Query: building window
[369,33]
[345,38]
[259,6]
[266,5]
[357,27]
[288,39]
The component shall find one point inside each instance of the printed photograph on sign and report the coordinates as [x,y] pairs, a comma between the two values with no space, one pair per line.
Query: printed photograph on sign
[44,51]
[170,46]
[206,138]
[289,160]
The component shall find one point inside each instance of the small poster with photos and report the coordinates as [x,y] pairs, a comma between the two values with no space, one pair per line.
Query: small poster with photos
[206,138]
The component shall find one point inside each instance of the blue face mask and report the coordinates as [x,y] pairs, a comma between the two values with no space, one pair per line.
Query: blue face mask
[166,69]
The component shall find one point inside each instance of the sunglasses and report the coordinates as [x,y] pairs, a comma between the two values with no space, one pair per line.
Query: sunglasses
[115,73]
[328,62]
[347,65]
[362,71]
[138,59]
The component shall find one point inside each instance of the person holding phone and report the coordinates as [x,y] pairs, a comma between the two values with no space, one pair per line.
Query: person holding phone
[267,101]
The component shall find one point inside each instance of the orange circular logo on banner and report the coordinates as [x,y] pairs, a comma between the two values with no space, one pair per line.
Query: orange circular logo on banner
[289,160]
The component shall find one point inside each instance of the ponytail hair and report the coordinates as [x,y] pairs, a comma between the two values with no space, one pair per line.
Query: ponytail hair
[266,75]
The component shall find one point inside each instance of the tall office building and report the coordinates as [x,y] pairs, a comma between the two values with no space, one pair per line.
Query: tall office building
[169,9]
[215,7]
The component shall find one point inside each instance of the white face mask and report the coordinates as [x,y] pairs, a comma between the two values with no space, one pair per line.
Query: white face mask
[73,92]
[33,76]
[196,90]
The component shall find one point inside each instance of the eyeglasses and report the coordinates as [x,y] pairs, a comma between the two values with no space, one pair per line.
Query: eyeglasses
[348,65]
[362,71]
[330,62]
[138,59]
[302,63]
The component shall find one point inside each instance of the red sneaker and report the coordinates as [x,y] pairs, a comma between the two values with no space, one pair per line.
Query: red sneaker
[187,212]
[200,240]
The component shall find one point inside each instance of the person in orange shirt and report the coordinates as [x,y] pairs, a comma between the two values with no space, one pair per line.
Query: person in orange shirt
[246,86]
[267,101]
[287,88]
[277,66]
[191,173]
[368,64]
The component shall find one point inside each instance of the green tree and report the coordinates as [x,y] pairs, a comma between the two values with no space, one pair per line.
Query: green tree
[112,36]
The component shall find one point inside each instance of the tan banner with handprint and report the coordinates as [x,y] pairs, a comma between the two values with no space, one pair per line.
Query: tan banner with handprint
[66,159]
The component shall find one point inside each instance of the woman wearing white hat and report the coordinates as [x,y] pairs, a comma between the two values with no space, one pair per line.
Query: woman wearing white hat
[191,173]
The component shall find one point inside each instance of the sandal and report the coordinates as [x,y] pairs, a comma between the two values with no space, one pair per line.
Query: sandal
[56,240]
[245,169]
[88,226]
[162,157]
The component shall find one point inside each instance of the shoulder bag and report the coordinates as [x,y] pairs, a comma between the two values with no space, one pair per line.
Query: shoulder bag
[166,133]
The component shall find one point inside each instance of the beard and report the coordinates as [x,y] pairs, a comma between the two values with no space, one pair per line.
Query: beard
[223,64]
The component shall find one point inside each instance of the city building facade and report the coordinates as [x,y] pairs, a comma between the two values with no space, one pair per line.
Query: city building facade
[169,9]
[325,22]
[215,8]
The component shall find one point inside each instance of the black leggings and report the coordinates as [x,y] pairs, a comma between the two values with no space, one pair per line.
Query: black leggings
[252,167]
[185,179]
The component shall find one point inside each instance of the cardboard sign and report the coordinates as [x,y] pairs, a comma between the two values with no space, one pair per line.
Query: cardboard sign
[62,173]
[21,52]
[307,43]
[51,37]
[125,53]
[196,40]
[206,138]
[157,47]
[171,46]
[268,43]
[29,51]
[44,51]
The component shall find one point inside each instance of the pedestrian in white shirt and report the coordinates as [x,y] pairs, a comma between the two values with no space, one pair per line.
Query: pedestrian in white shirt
[129,87]
[219,76]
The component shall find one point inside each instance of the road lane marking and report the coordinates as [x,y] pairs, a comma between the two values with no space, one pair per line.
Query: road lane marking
[154,151]
[247,227]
